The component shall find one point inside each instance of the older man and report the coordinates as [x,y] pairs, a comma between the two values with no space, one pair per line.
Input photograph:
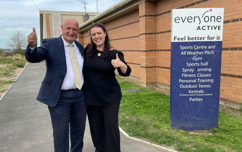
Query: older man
[61,88]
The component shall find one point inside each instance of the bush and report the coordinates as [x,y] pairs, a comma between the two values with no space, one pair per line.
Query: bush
[22,52]
[6,54]
[5,60]
[20,64]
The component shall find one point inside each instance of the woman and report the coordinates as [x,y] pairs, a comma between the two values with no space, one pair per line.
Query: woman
[102,91]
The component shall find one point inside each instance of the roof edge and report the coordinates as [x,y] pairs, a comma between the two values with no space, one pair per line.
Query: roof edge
[65,12]
[110,12]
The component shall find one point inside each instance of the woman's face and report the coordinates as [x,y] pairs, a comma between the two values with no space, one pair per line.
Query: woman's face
[98,36]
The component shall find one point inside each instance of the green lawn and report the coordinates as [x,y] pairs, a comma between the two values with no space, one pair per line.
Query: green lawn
[146,115]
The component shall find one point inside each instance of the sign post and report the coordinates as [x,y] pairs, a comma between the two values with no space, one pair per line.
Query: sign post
[196,46]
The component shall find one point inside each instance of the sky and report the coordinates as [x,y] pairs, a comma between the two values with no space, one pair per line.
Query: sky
[23,15]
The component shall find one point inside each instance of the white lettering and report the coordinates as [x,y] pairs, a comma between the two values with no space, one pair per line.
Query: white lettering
[186,47]
[196,58]
[195,99]
[204,86]
[209,52]
[195,91]
[199,47]
[205,80]
[203,75]
[188,86]
[187,70]
[194,53]
[192,64]
[187,81]
[204,69]
[188,75]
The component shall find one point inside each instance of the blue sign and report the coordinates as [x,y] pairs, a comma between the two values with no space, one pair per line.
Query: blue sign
[195,68]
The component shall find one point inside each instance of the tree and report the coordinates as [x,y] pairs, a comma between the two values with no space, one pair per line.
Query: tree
[1,50]
[17,41]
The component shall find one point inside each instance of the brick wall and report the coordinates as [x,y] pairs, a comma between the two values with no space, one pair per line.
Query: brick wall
[144,36]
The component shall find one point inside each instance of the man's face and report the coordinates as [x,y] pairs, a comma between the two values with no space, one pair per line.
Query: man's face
[69,30]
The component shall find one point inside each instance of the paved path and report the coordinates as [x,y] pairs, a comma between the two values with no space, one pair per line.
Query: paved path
[25,123]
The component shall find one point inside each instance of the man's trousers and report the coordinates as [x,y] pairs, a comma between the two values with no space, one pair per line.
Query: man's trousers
[69,112]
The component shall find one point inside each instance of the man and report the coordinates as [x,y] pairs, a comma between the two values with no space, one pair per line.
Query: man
[61,88]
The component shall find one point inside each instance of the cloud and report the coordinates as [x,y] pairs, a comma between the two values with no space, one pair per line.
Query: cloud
[23,15]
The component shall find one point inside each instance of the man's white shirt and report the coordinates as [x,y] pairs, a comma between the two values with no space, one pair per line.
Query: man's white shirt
[69,80]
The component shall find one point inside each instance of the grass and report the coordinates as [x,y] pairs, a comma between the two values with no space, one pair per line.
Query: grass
[12,63]
[15,59]
[6,60]
[8,65]
[146,115]
[2,83]
[6,72]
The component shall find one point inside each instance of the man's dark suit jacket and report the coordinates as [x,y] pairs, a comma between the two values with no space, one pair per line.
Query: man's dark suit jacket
[52,50]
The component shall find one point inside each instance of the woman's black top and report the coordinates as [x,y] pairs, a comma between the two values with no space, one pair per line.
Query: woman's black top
[100,85]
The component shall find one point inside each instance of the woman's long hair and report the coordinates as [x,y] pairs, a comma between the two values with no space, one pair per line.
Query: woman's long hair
[92,46]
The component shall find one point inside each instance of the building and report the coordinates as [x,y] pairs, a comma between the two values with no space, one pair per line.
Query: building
[141,29]
[51,21]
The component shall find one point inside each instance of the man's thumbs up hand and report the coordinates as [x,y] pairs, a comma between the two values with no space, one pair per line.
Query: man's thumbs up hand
[34,30]
[32,38]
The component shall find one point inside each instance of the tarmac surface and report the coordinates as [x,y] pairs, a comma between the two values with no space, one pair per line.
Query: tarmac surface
[25,124]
